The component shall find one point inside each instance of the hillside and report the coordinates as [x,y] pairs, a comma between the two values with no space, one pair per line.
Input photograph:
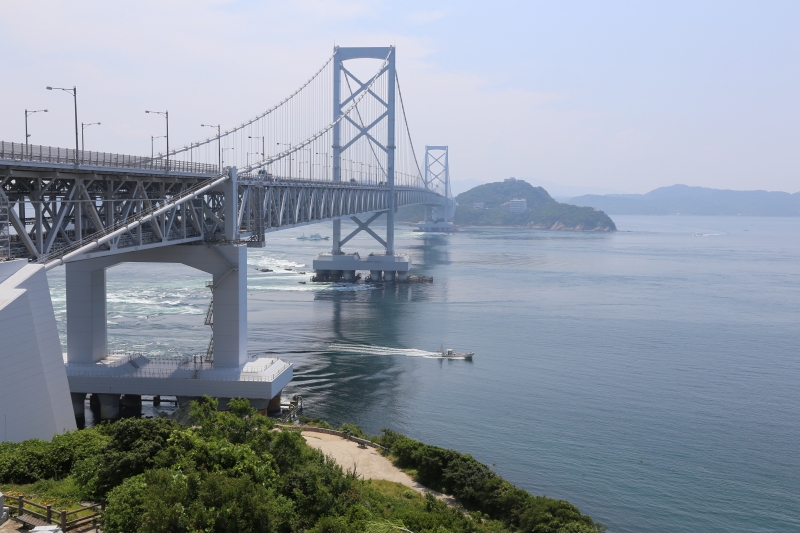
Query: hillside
[543,212]
[231,471]
[685,200]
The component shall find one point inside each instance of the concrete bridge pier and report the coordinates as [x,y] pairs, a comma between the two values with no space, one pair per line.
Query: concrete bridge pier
[109,406]
[274,406]
[78,405]
[87,338]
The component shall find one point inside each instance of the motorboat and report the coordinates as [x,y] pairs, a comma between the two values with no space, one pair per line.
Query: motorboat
[452,354]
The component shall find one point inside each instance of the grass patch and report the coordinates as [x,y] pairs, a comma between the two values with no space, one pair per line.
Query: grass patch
[60,495]
[392,488]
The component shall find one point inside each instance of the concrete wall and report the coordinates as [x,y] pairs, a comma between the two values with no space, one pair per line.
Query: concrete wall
[86,298]
[34,393]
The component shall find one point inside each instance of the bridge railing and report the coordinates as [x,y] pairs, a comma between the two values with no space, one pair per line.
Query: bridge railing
[65,156]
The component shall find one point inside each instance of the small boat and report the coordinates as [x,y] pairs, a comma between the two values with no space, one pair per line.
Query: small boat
[452,354]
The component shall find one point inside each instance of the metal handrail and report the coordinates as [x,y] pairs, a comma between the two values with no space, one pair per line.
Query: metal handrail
[35,153]
[167,373]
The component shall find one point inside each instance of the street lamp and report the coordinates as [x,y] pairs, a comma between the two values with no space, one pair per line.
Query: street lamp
[153,138]
[223,153]
[74,92]
[309,159]
[219,142]
[28,113]
[83,127]
[326,162]
[290,159]
[263,144]
[164,114]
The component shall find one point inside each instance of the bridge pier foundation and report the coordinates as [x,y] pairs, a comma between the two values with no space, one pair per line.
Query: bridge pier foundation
[86,299]
[109,406]
[78,404]
[332,267]
[274,405]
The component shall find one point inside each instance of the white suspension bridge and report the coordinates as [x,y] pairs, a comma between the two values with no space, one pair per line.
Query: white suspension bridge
[338,147]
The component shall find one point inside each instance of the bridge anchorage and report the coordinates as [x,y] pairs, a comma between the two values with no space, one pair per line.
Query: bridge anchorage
[313,157]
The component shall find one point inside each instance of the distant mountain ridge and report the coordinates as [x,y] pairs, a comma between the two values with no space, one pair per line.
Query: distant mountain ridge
[543,211]
[686,200]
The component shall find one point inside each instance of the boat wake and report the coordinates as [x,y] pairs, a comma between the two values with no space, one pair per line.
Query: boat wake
[367,349]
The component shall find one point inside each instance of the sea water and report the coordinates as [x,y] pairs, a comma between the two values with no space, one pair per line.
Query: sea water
[649,376]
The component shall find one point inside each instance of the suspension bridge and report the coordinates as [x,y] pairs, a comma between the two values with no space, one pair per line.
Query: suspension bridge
[339,147]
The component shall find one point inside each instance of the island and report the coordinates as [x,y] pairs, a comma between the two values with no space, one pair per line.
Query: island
[517,203]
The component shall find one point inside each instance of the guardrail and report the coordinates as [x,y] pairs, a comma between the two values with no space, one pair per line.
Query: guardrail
[32,517]
[171,374]
[66,156]
[342,434]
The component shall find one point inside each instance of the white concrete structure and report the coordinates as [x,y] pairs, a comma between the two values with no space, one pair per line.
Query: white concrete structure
[34,394]
[517,206]
[86,298]
[344,266]
[91,369]
[259,380]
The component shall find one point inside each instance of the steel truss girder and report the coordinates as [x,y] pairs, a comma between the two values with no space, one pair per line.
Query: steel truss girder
[72,207]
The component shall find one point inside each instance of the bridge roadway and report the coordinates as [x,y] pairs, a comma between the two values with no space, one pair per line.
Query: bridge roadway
[75,204]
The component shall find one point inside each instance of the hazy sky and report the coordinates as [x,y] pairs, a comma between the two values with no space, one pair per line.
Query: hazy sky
[624,96]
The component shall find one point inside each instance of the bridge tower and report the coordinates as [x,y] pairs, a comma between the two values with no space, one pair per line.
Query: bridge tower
[439,217]
[339,265]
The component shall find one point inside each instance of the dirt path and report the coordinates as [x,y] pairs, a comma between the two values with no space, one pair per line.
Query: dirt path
[368,462]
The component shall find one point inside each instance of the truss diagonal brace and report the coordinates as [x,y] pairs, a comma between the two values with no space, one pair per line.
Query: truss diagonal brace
[364,226]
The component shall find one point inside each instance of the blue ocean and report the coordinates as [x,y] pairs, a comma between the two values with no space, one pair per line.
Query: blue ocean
[650,376]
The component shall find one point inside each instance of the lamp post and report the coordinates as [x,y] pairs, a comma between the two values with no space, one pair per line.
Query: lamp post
[74,93]
[27,114]
[326,162]
[83,127]
[290,159]
[309,159]
[219,142]
[153,138]
[263,144]
[164,114]
[223,153]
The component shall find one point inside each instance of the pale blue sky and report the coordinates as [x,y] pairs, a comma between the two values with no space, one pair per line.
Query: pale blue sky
[626,96]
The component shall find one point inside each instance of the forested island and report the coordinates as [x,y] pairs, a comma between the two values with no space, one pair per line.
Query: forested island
[488,205]
[235,471]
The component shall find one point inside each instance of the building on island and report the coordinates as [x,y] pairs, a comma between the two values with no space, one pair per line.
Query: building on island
[479,205]
[510,180]
[517,205]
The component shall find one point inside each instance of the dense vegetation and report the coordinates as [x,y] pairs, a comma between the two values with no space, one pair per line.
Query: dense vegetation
[543,212]
[230,472]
